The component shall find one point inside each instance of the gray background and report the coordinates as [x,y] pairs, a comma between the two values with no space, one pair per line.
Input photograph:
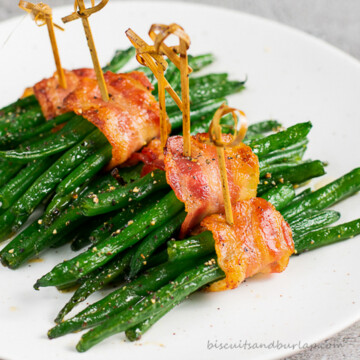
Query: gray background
[335,21]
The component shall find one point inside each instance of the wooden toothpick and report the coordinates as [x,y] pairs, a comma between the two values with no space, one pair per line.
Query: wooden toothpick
[147,55]
[83,13]
[42,15]
[159,33]
[215,136]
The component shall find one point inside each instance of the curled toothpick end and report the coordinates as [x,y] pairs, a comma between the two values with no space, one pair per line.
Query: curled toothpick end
[148,56]
[178,56]
[215,137]
[42,15]
[83,13]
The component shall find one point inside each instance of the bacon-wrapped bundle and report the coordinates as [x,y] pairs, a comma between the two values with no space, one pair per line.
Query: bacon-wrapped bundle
[260,241]
[129,120]
[196,180]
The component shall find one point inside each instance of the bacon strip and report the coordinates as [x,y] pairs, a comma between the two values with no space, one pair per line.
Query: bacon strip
[260,241]
[129,120]
[151,155]
[51,95]
[196,180]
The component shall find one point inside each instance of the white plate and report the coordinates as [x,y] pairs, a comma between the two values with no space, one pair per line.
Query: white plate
[292,77]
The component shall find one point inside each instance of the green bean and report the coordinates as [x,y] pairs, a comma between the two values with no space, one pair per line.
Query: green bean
[135,332]
[34,239]
[105,225]
[295,175]
[197,63]
[323,237]
[119,60]
[16,138]
[97,280]
[98,186]
[21,121]
[39,236]
[195,246]
[59,203]
[291,153]
[280,140]
[204,125]
[8,170]
[148,245]
[85,171]
[301,195]
[120,299]
[326,196]
[16,215]
[127,175]
[263,127]
[17,186]
[135,191]
[18,105]
[160,257]
[198,113]
[314,222]
[142,225]
[80,237]
[168,295]
[208,87]
[277,168]
[280,196]
[73,132]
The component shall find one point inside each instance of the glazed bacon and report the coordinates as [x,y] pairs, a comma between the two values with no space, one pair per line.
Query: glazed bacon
[129,120]
[196,180]
[51,95]
[260,241]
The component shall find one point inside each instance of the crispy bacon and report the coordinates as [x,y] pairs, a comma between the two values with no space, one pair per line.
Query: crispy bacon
[260,241]
[129,120]
[51,95]
[196,180]
[151,155]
